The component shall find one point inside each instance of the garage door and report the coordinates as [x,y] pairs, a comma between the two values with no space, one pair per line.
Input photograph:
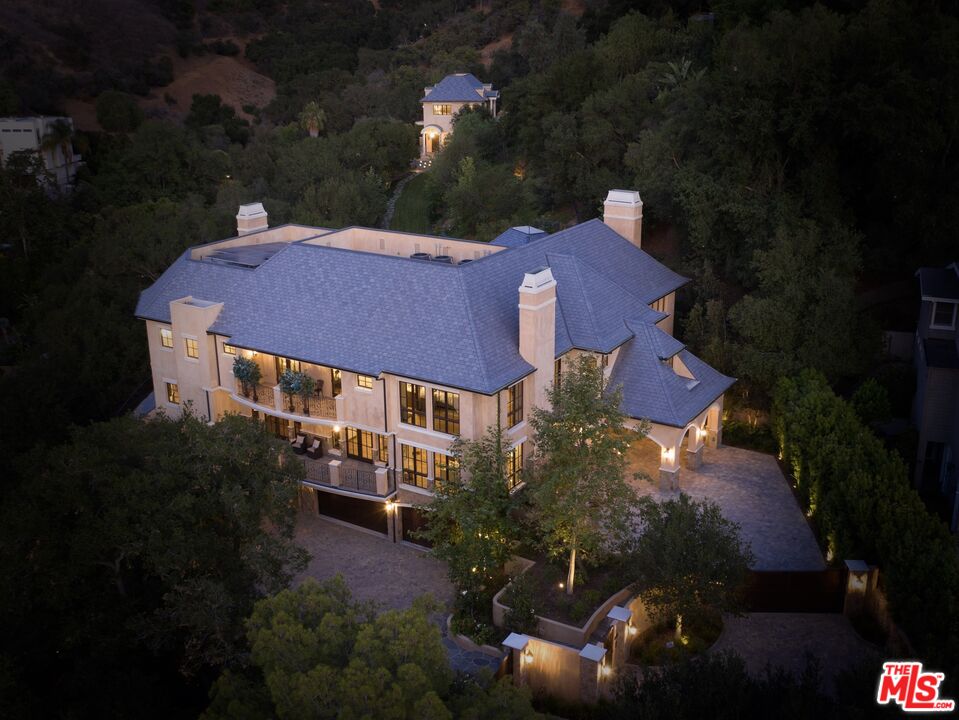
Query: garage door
[367,514]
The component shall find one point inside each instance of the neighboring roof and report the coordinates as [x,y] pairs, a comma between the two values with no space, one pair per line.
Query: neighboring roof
[650,387]
[939,283]
[462,87]
[308,302]
[941,353]
[517,236]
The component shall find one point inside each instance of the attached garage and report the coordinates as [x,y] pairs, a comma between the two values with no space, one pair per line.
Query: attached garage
[368,514]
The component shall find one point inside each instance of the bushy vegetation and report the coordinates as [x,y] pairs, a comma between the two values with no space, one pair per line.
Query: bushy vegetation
[858,496]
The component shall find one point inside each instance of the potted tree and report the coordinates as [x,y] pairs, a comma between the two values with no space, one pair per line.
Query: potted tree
[307,386]
[290,382]
[248,373]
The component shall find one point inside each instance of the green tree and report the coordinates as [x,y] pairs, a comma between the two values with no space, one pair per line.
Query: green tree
[871,402]
[118,112]
[580,496]
[469,526]
[317,653]
[313,118]
[689,560]
[140,547]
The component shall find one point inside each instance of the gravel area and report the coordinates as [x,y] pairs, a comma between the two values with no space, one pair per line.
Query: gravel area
[750,490]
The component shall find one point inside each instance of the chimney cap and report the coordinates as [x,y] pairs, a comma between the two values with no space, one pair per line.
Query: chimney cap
[623,197]
[251,210]
[536,280]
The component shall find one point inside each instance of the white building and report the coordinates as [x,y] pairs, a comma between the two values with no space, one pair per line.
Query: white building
[18,134]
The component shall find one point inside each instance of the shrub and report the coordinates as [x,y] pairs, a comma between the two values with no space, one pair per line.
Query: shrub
[521,600]
[583,606]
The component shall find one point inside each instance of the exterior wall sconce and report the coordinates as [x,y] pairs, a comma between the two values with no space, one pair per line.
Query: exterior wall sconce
[527,656]
[390,507]
[667,455]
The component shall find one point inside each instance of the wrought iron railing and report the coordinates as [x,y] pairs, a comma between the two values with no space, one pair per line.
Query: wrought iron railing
[317,472]
[358,479]
[318,407]
[258,393]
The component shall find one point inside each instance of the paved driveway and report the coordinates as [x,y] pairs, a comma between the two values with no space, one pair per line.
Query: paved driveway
[374,568]
[750,490]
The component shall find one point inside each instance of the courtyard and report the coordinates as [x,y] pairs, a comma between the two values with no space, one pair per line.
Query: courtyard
[750,490]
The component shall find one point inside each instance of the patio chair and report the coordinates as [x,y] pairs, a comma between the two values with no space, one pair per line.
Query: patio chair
[299,445]
[315,451]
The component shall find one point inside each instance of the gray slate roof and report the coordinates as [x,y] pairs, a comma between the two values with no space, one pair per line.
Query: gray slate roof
[463,87]
[940,282]
[455,325]
[650,387]
[518,236]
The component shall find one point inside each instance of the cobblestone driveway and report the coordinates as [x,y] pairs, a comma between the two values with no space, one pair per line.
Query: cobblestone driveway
[750,490]
[374,568]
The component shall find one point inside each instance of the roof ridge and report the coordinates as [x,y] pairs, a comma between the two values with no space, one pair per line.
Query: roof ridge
[563,313]
[472,329]
[582,292]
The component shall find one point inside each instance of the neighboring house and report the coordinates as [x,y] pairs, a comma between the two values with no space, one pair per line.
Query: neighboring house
[416,340]
[443,100]
[31,134]
[936,405]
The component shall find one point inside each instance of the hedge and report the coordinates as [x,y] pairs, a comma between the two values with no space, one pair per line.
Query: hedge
[860,500]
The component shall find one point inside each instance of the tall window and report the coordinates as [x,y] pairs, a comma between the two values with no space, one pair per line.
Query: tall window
[166,337]
[364,381]
[384,449]
[337,384]
[557,371]
[359,444]
[445,468]
[173,393]
[415,469]
[446,412]
[229,349]
[192,348]
[514,404]
[444,109]
[604,361]
[514,466]
[413,404]
[944,315]
[283,364]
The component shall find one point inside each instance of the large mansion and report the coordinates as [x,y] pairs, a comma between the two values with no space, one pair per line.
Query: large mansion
[414,340]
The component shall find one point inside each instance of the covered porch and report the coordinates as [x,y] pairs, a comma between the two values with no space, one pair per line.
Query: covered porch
[343,473]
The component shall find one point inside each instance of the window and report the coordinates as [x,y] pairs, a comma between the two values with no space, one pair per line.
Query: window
[335,438]
[413,404]
[944,315]
[166,337]
[359,444]
[514,466]
[364,381]
[444,109]
[173,393]
[604,361]
[445,468]
[415,470]
[337,384]
[514,404]
[229,349]
[446,412]
[557,372]
[283,364]
[192,348]
[384,449]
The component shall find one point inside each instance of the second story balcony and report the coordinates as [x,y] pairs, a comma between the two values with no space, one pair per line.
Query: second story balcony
[272,397]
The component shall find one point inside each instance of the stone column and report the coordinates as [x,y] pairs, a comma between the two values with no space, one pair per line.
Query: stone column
[620,618]
[857,581]
[668,469]
[590,666]
[392,515]
[518,645]
[382,481]
[335,472]
[694,449]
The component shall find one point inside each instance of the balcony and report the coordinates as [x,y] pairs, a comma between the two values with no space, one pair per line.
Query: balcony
[351,475]
[272,399]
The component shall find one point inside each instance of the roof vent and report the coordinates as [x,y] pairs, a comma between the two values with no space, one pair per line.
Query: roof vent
[421,256]
[447,259]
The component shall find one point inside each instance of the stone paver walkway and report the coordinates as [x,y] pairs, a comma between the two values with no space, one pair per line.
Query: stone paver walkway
[783,639]
[750,490]
[391,574]
[391,203]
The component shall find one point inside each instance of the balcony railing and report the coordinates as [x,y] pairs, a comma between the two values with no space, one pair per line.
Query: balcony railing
[319,407]
[259,393]
[357,479]
[317,472]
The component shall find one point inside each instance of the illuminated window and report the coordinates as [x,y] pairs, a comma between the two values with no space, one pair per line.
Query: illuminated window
[364,381]
[415,469]
[413,404]
[359,444]
[444,109]
[192,348]
[229,349]
[384,454]
[283,364]
[514,466]
[514,404]
[173,393]
[944,315]
[445,468]
[337,385]
[446,412]
[166,337]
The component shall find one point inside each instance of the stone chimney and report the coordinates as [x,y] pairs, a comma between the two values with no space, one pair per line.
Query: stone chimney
[251,218]
[537,329]
[623,212]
